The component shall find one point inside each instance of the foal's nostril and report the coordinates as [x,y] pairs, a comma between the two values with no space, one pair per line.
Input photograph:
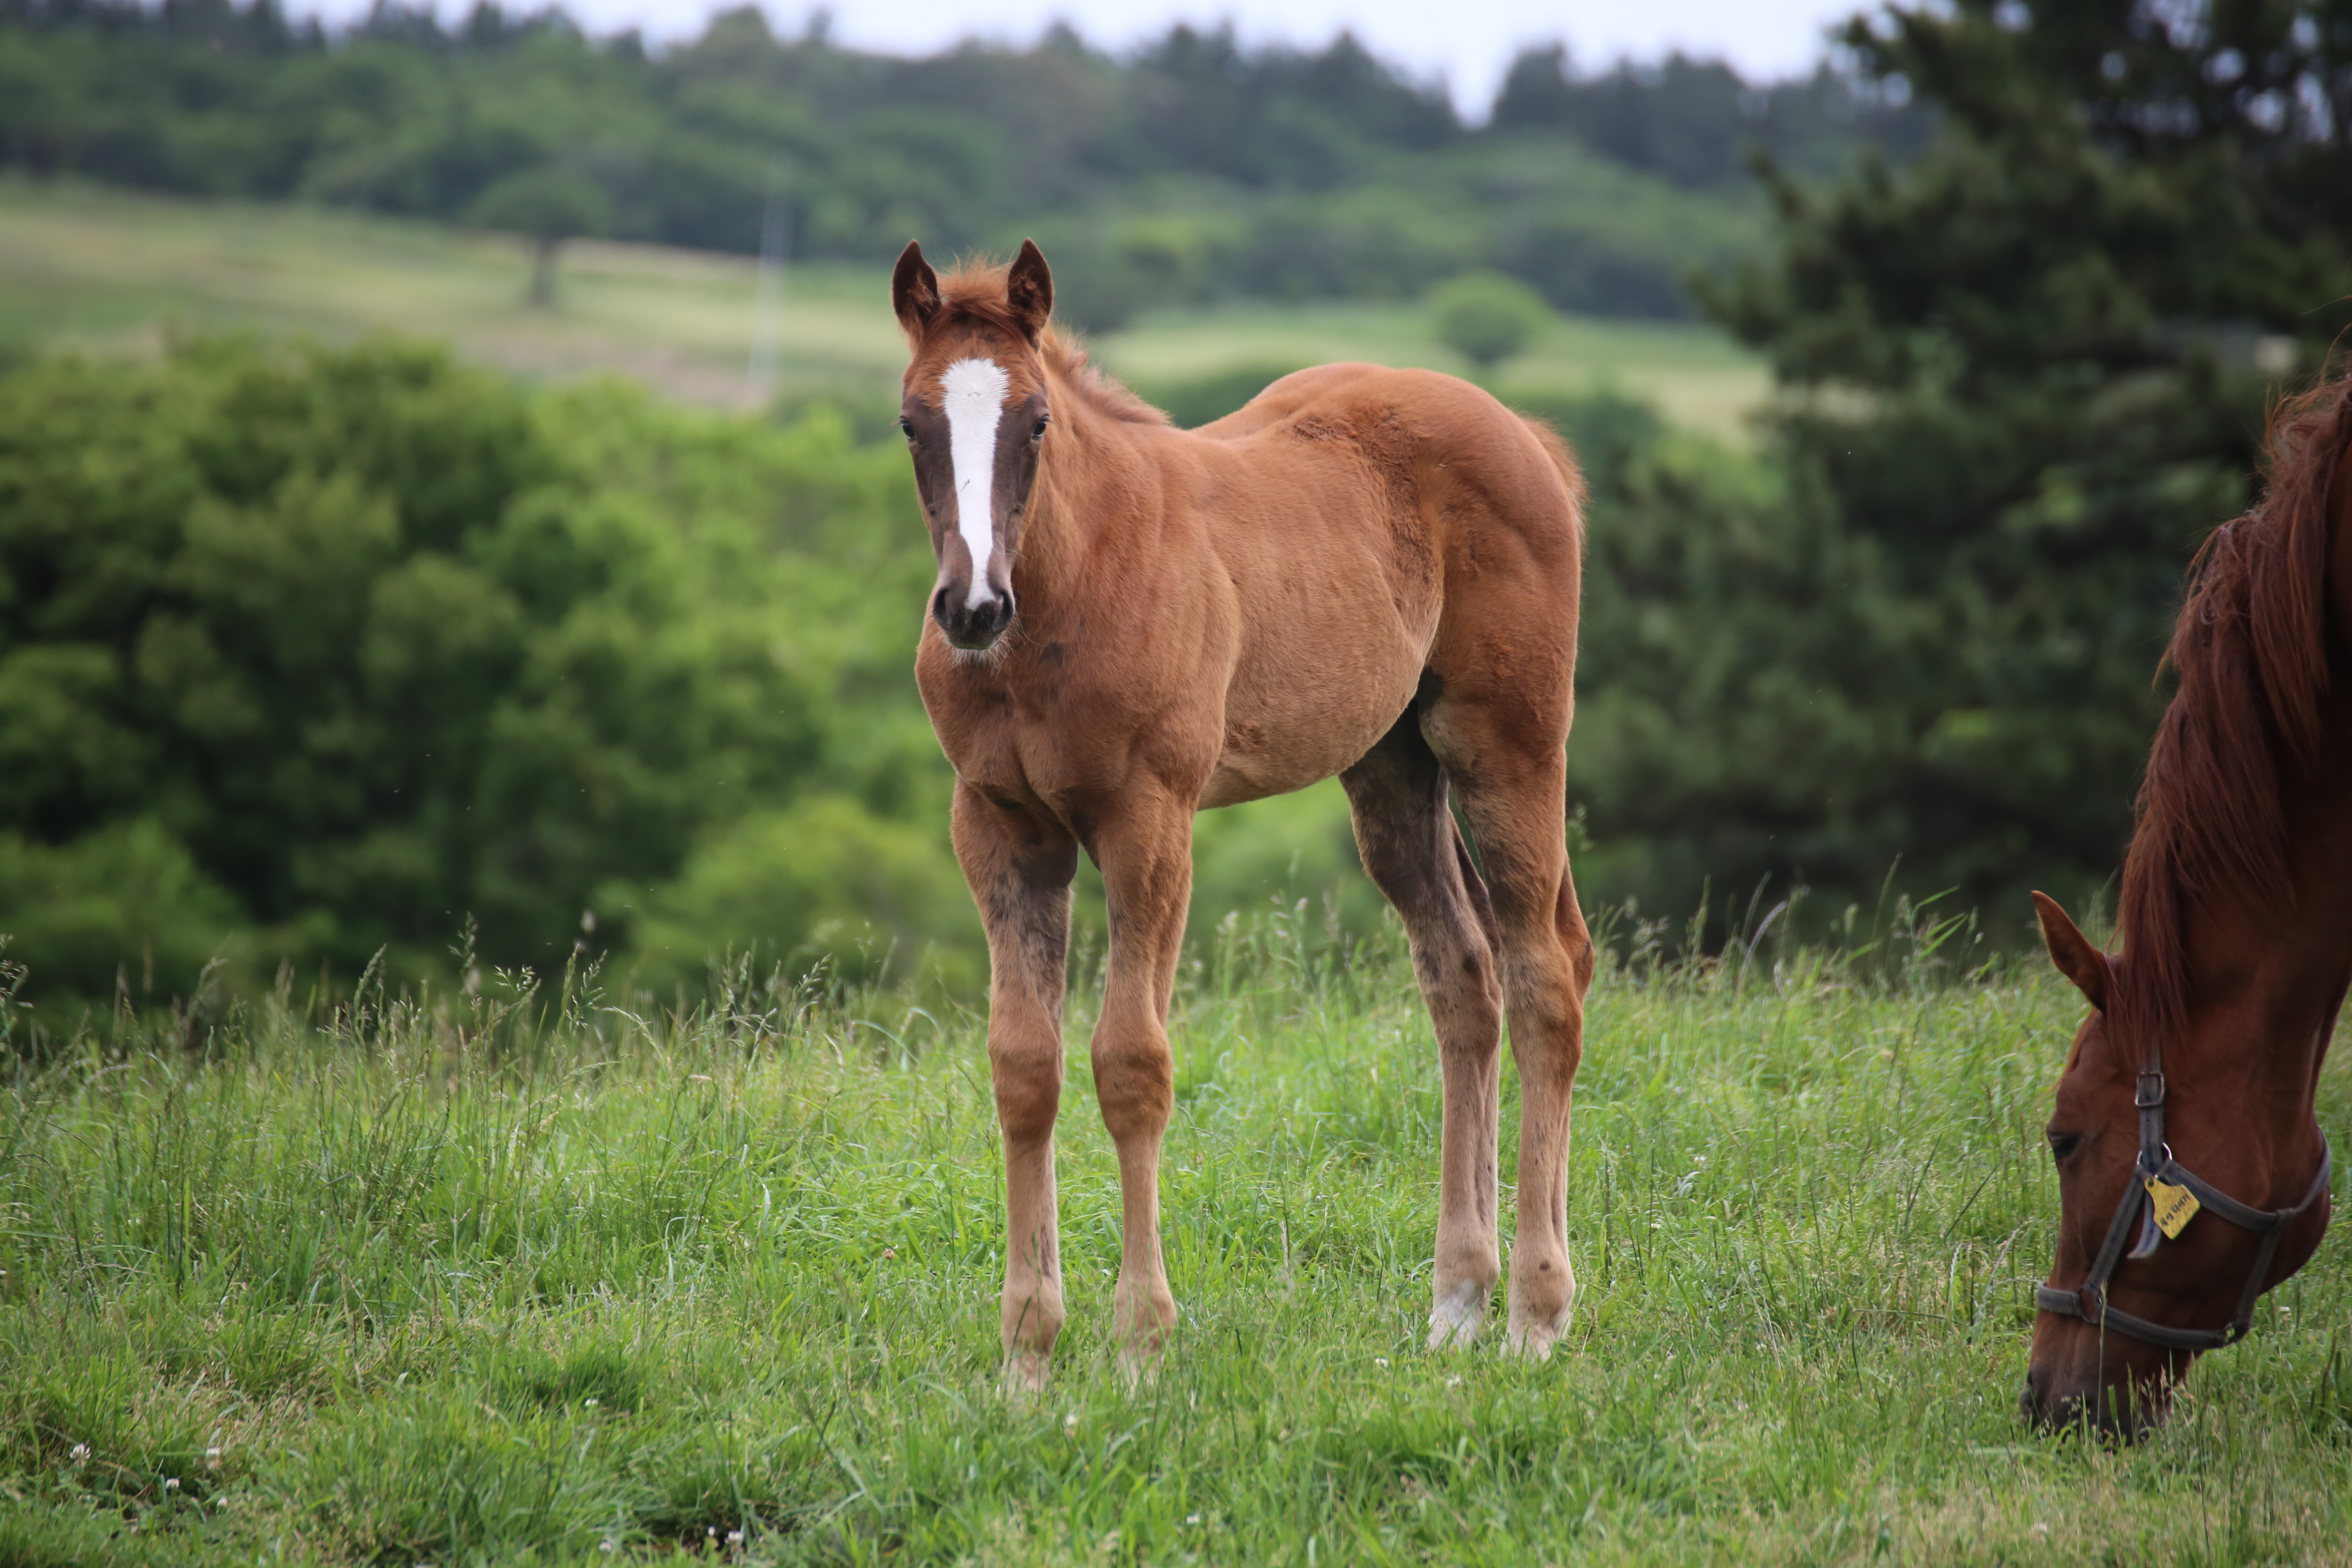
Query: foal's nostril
[969,625]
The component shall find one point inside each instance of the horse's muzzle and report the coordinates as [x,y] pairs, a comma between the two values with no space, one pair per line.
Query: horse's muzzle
[2110,1411]
[970,627]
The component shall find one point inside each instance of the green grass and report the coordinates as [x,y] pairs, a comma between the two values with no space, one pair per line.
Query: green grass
[456,1282]
[112,271]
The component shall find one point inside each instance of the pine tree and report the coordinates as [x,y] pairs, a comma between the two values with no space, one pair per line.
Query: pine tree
[2020,379]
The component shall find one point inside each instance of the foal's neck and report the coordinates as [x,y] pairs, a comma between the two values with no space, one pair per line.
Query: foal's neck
[1092,481]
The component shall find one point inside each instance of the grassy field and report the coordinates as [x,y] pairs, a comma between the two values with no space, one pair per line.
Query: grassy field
[112,271]
[454,1281]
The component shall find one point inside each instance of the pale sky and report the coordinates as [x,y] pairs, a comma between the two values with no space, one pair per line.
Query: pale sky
[1467,45]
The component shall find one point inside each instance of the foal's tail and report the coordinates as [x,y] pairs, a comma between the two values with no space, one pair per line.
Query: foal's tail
[1555,447]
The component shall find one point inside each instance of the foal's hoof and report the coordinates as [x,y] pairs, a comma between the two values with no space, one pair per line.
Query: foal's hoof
[1533,1333]
[1141,1367]
[1458,1315]
[1141,1322]
[1026,1374]
[1531,1341]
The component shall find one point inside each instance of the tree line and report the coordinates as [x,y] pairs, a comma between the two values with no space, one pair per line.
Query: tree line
[1194,167]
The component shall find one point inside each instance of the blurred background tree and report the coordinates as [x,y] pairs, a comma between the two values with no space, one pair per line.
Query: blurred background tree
[546,206]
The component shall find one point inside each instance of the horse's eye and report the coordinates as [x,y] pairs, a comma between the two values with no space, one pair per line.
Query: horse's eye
[1039,433]
[2063,1144]
[906,427]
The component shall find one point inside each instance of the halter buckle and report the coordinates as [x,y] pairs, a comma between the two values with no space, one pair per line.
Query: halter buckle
[2149,1098]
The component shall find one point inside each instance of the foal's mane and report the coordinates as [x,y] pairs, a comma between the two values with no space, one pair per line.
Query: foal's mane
[2252,653]
[974,291]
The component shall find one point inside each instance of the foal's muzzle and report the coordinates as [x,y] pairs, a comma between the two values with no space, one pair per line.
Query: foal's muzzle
[970,626]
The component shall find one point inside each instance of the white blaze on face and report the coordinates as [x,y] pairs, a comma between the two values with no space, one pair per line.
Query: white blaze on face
[974,392]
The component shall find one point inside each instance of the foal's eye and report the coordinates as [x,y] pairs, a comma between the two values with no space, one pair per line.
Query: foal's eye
[1039,433]
[906,427]
[2063,1144]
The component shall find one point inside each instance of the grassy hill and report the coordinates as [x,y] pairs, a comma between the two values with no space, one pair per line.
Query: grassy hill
[109,271]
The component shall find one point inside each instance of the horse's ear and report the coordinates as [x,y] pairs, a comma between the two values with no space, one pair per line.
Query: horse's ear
[2076,958]
[914,290]
[1029,290]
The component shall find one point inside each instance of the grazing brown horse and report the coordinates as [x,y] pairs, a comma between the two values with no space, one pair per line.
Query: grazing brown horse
[2192,1174]
[1368,573]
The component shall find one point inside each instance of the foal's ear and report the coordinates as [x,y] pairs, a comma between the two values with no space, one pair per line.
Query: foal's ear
[1029,290]
[914,290]
[2073,952]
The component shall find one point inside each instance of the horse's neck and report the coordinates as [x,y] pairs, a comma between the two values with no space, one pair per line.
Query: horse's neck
[2289,960]
[2318,935]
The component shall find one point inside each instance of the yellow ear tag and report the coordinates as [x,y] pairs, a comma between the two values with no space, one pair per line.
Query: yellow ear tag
[2174,1207]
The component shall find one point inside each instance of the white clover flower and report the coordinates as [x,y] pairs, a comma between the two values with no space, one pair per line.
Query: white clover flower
[80,1455]
[171,1483]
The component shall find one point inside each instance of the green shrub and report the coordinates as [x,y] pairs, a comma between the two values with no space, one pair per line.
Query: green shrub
[1487,318]
[822,886]
[124,904]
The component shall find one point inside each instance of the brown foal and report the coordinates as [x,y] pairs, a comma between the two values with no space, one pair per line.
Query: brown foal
[2199,1061]
[1370,572]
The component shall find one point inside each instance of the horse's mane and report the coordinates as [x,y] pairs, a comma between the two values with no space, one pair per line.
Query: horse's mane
[974,291]
[2251,650]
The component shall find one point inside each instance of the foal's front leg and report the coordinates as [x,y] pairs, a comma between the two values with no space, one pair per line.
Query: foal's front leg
[1146,854]
[1020,866]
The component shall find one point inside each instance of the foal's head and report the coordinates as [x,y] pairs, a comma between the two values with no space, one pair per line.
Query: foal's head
[974,414]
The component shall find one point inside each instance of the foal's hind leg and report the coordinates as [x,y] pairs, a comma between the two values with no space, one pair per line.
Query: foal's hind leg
[1020,866]
[1507,756]
[1414,854]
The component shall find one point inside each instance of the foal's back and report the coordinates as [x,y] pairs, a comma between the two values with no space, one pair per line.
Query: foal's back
[1431,439]
[1379,534]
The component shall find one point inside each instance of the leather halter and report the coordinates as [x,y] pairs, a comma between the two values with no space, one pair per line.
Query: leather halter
[2088,1300]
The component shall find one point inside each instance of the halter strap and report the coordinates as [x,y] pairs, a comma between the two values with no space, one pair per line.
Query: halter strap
[2088,1300]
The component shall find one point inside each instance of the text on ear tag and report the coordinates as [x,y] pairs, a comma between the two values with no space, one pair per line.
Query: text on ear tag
[2174,1206]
